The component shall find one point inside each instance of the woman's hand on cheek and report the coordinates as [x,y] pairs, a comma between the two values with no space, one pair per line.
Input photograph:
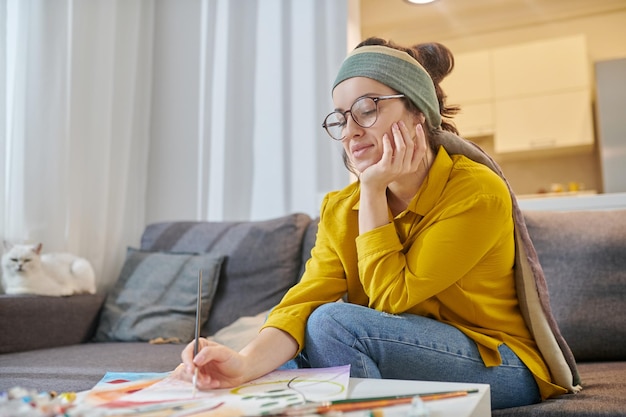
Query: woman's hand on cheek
[400,158]
[420,145]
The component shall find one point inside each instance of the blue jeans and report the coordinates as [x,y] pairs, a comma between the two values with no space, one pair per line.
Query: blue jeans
[381,345]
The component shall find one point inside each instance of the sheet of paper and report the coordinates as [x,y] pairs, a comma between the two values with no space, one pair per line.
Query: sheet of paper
[155,395]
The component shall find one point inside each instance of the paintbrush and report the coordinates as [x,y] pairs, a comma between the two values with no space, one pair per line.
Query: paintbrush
[197,340]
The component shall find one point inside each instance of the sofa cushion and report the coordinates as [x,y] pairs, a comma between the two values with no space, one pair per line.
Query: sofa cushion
[30,322]
[583,255]
[604,384]
[155,297]
[262,260]
[79,367]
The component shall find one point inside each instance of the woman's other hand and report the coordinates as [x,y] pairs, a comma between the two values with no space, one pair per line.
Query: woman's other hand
[221,367]
[218,366]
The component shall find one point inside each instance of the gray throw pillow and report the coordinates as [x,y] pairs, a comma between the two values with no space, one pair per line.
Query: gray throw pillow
[262,260]
[155,297]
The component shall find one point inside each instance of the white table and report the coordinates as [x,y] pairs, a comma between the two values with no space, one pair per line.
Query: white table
[472,405]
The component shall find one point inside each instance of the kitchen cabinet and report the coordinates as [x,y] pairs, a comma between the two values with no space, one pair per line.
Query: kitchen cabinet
[542,67]
[532,96]
[470,86]
[475,119]
[471,79]
[544,122]
[542,96]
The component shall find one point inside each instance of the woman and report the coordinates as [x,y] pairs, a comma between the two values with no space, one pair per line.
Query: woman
[421,248]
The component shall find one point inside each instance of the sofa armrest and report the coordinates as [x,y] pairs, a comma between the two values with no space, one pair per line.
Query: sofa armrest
[30,322]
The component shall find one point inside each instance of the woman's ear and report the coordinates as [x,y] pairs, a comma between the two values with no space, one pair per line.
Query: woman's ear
[419,118]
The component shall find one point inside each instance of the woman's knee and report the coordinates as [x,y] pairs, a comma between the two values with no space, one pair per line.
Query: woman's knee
[331,317]
[322,317]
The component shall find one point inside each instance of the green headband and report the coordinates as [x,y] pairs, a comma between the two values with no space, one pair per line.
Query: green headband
[397,70]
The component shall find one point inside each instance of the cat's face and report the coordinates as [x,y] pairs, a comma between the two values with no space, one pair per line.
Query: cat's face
[19,259]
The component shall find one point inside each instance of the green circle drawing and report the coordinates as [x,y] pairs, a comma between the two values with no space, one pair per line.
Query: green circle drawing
[265,393]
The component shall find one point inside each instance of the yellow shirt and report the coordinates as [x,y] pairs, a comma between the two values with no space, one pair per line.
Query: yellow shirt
[449,256]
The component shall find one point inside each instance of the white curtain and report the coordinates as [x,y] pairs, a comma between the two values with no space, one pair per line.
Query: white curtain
[117,113]
[239,96]
[75,121]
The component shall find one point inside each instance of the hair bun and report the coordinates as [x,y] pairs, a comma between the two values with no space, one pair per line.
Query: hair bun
[436,58]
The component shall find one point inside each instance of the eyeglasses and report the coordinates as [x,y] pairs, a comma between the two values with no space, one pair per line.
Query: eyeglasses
[364,112]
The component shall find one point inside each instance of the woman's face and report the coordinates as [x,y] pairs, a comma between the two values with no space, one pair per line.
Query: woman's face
[363,145]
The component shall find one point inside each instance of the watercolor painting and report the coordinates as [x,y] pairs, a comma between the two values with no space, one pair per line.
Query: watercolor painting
[159,394]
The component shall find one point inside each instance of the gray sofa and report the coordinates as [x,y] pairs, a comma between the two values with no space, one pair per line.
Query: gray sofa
[67,344]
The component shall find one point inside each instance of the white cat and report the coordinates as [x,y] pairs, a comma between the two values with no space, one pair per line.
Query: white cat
[26,271]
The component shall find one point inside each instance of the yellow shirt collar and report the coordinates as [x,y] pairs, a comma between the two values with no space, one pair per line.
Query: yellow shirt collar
[434,184]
